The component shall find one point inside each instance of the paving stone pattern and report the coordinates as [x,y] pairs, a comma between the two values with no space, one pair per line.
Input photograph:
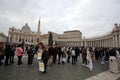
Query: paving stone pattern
[65,71]
[107,75]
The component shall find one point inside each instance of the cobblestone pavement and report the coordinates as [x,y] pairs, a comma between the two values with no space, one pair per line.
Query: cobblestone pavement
[107,75]
[65,71]
[118,78]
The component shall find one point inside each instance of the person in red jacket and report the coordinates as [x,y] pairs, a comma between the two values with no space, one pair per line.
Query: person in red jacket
[19,52]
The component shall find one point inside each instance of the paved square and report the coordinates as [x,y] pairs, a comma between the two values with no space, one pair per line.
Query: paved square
[65,71]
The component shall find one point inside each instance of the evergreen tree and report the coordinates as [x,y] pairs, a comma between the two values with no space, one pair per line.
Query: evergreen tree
[50,40]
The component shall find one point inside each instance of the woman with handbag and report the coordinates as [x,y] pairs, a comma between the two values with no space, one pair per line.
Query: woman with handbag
[90,59]
[39,58]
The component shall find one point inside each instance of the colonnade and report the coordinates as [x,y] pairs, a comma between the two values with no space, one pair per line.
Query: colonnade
[112,40]
[100,43]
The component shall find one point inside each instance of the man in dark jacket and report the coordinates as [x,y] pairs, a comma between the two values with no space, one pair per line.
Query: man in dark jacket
[69,54]
[12,54]
[96,53]
[77,52]
[1,53]
[30,55]
[112,52]
[51,55]
[59,54]
[45,57]
[54,51]
[7,54]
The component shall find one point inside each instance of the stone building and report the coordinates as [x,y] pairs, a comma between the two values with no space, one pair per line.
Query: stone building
[3,38]
[69,38]
[111,39]
[25,34]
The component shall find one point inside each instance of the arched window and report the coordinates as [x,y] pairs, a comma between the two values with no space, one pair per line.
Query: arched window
[32,40]
[37,39]
[16,37]
[26,40]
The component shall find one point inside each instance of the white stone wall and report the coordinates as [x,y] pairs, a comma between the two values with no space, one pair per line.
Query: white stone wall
[3,38]
[70,39]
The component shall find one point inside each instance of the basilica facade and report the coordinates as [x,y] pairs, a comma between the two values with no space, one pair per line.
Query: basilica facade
[27,36]
[68,38]
[24,35]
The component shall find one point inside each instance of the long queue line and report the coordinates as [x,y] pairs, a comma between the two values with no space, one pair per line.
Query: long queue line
[57,54]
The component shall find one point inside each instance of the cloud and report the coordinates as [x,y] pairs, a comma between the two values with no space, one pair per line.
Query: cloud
[89,16]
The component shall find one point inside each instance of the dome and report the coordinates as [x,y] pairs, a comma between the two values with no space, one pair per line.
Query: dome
[26,27]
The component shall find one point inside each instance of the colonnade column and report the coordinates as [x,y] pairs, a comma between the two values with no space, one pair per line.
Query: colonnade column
[101,43]
[119,39]
[14,38]
[9,38]
[104,43]
[87,44]
[17,38]
[116,41]
[109,43]
[113,41]
[91,44]
[98,43]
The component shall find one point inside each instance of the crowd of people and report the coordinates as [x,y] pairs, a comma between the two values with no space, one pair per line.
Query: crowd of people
[102,54]
[58,54]
[7,54]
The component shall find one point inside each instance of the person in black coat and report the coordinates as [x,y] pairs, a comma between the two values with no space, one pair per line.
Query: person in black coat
[59,54]
[73,54]
[1,53]
[12,54]
[112,52]
[51,55]
[30,53]
[77,52]
[45,58]
[7,54]
[69,54]
[96,54]
[102,55]
[36,49]
[54,51]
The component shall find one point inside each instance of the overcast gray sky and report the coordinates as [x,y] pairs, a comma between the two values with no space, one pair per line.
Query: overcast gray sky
[91,17]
